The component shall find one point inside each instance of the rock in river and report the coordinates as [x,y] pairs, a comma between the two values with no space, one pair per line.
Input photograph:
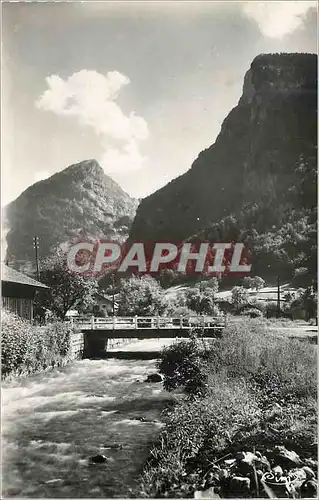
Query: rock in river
[154,377]
[98,459]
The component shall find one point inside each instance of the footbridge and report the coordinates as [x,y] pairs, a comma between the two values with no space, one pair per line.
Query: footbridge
[101,334]
[150,327]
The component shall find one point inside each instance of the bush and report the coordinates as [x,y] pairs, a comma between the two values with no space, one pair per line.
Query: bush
[140,296]
[196,432]
[175,310]
[245,372]
[184,364]
[252,313]
[250,350]
[27,348]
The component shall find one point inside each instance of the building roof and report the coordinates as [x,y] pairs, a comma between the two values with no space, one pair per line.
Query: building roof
[9,275]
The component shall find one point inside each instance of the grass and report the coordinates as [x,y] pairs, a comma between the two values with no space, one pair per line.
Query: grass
[262,392]
[53,422]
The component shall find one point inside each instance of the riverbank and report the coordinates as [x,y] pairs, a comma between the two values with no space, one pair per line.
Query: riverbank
[53,422]
[249,406]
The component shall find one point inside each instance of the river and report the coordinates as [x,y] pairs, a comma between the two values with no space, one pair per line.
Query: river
[53,422]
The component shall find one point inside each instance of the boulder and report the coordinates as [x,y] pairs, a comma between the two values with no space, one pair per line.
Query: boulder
[299,474]
[246,464]
[223,474]
[278,472]
[209,493]
[212,479]
[239,485]
[98,459]
[286,458]
[154,377]
[309,472]
[309,462]
[309,489]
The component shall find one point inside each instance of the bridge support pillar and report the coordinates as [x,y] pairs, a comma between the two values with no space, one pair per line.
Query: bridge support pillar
[95,345]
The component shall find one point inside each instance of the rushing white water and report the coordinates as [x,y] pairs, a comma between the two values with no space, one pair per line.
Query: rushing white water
[53,422]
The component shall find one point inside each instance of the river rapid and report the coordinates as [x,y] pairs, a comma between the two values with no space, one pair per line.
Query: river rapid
[53,422]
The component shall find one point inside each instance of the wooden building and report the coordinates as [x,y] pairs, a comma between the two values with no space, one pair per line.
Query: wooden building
[18,291]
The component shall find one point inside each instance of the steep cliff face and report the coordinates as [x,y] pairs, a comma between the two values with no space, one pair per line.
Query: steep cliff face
[79,201]
[251,179]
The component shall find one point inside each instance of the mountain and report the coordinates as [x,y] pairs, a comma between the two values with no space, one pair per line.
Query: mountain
[257,182]
[80,201]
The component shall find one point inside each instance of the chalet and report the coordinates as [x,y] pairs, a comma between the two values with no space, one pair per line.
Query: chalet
[105,303]
[18,291]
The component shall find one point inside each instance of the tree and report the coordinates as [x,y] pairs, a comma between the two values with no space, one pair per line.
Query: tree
[212,284]
[247,282]
[66,289]
[202,299]
[239,296]
[253,282]
[310,303]
[140,296]
[258,283]
[168,277]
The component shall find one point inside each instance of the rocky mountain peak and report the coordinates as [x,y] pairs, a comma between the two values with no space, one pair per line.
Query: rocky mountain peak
[79,200]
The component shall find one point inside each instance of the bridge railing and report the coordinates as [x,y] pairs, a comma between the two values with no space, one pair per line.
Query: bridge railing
[149,322]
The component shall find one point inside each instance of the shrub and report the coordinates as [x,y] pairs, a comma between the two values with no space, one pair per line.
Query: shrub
[245,372]
[27,348]
[196,432]
[252,313]
[141,296]
[176,310]
[250,350]
[201,299]
[239,297]
[184,364]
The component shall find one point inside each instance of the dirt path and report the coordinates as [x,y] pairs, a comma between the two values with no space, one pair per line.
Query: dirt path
[53,422]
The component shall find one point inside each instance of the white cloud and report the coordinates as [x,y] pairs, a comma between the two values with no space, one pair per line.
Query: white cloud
[277,19]
[41,175]
[89,97]
[123,159]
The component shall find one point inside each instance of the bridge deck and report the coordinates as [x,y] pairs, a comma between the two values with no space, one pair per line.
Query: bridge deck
[159,323]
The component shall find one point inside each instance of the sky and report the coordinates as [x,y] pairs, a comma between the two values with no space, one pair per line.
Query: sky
[142,87]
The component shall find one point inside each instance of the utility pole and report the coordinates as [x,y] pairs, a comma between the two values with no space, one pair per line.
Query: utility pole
[36,247]
[113,294]
[278,297]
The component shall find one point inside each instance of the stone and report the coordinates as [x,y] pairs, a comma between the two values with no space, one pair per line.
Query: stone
[223,474]
[309,462]
[209,493]
[212,479]
[262,463]
[115,446]
[246,465]
[230,461]
[54,481]
[286,457]
[309,472]
[309,489]
[238,484]
[278,472]
[298,474]
[154,378]
[98,459]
